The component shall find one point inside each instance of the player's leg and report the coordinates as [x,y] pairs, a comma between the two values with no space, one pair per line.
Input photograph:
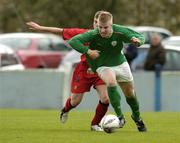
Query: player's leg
[132,100]
[78,88]
[109,77]
[125,80]
[102,106]
[71,103]
[91,79]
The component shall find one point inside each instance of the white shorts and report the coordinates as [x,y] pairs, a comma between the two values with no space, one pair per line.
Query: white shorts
[122,72]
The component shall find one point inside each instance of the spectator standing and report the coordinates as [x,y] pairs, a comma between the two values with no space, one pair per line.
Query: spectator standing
[156,54]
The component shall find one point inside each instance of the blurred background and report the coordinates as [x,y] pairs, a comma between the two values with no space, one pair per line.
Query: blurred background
[36,68]
[78,13]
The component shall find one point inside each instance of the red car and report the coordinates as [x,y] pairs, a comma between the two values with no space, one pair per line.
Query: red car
[37,50]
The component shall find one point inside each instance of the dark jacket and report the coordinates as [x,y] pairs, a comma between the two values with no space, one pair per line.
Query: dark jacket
[156,55]
[131,53]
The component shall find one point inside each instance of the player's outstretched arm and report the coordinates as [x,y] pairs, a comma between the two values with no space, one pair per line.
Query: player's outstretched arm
[36,27]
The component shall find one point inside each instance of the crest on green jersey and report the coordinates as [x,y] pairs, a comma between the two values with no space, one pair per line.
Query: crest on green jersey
[114,43]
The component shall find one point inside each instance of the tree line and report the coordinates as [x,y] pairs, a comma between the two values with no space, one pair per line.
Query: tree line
[79,13]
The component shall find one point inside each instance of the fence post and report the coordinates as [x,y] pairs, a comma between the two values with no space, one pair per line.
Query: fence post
[157,87]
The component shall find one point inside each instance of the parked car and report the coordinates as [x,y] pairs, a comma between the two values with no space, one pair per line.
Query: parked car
[8,59]
[173,41]
[172,58]
[37,50]
[147,31]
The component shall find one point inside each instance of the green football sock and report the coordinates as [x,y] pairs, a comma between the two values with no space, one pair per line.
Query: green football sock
[115,99]
[134,104]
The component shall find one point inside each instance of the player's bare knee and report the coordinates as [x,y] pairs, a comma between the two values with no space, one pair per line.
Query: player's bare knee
[130,93]
[105,100]
[111,82]
[75,102]
[76,99]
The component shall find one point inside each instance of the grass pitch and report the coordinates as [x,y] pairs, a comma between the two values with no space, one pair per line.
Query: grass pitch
[42,126]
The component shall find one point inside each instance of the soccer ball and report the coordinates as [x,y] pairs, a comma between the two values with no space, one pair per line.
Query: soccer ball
[109,123]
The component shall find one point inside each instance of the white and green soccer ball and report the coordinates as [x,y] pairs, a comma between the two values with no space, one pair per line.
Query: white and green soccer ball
[109,123]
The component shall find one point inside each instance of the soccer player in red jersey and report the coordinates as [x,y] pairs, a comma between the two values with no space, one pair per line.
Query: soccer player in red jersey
[83,78]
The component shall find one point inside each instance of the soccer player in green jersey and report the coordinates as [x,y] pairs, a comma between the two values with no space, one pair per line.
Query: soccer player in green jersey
[105,56]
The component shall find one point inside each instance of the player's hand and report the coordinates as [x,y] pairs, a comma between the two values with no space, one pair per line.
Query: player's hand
[93,53]
[33,25]
[135,41]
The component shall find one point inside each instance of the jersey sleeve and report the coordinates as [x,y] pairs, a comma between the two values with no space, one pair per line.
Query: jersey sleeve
[68,33]
[78,41]
[129,34]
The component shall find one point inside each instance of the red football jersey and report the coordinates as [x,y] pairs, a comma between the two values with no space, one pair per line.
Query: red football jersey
[81,80]
[68,33]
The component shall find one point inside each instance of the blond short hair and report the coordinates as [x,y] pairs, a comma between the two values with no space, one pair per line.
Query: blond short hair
[96,16]
[105,17]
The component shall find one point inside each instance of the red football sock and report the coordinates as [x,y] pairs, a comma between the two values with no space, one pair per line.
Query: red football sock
[101,110]
[68,105]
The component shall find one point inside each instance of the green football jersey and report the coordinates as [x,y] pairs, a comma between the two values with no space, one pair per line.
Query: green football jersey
[111,49]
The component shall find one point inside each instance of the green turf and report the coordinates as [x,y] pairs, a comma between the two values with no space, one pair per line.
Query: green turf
[42,126]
